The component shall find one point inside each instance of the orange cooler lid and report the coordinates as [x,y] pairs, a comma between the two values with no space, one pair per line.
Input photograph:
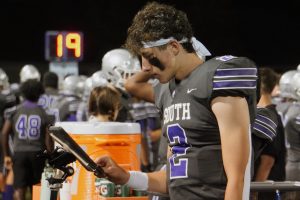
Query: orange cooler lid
[100,127]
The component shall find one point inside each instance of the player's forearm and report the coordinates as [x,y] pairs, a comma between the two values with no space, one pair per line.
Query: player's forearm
[49,142]
[134,83]
[157,182]
[49,145]
[235,167]
[138,86]
[264,168]
[5,144]
[154,182]
[5,132]
[234,189]
[235,158]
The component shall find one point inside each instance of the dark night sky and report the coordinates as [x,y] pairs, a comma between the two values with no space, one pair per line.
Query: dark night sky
[266,31]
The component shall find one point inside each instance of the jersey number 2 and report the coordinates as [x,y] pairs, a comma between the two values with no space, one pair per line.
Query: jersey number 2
[178,141]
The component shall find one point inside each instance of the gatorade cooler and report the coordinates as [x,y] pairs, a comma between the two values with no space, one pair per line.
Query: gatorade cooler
[121,141]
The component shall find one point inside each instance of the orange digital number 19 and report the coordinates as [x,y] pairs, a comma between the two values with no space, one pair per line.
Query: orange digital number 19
[72,42]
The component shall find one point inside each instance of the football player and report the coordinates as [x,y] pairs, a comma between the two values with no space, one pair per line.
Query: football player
[49,99]
[29,124]
[292,131]
[286,94]
[208,108]
[69,100]
[7,101]
[29,72]
[270,164]
[118,65]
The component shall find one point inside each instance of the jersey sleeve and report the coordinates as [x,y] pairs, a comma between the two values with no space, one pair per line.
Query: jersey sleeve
[235,76]
[158,93]
[265,124]
[269,150]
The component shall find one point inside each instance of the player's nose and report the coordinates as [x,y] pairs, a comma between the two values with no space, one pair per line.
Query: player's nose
[146,66]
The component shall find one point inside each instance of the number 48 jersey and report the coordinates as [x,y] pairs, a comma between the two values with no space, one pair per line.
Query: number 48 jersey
[195,170]
[29,123]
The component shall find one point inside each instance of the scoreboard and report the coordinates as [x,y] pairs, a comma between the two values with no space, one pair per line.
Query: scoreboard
[63,46]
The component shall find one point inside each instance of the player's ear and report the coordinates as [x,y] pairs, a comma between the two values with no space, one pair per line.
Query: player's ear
[174,46]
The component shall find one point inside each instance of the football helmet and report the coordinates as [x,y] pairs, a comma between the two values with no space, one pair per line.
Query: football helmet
[4,82]
[88,86]
[119,64]
[285,85]
[69,85]
[295,82]
[80,85]
[99,78]
[29,72]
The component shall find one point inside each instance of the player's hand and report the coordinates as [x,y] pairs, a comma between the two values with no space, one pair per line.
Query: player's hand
[112,170]
[8,162]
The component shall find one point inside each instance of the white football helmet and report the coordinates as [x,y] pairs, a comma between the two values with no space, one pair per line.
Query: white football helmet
[80,85]
[29,72]
[295,82]
[88,86]
[119,64]
[4,82]
[285,85]
[69,85]
[99,78]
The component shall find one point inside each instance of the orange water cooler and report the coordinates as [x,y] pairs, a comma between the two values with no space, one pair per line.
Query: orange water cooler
[121,141]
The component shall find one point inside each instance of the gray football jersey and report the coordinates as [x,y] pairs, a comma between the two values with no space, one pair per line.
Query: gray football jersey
[283,109]
[29,123]
[49,102]
[67,107]
[195,170]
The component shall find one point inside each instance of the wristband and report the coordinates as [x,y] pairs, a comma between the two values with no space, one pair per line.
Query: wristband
[138,180]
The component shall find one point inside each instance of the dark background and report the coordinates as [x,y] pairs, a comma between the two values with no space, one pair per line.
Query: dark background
[265,31]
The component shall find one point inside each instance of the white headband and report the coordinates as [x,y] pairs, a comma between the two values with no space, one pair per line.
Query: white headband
[200,49]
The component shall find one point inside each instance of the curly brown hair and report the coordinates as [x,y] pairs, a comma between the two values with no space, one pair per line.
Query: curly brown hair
[156,21]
